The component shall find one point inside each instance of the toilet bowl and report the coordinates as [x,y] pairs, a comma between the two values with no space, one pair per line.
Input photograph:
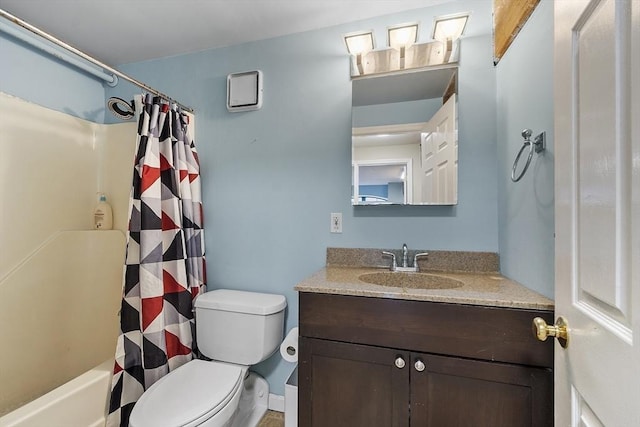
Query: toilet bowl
[236,329]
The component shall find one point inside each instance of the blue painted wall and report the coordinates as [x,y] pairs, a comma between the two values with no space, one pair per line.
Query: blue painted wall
[526,208]
[272,177]
[41,78]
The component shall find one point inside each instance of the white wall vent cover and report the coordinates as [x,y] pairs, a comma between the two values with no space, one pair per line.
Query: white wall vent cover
[244,91]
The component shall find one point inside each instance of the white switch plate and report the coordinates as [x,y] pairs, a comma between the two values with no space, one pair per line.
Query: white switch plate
[336,222]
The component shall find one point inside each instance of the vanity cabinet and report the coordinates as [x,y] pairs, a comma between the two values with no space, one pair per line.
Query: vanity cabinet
[386,362]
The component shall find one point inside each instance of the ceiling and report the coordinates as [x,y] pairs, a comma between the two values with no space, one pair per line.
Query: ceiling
[123,31]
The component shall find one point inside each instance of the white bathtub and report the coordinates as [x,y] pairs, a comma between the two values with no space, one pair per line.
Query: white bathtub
[82,402]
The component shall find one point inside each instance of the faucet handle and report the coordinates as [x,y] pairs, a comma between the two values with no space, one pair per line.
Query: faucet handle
[415,259]
[393,259]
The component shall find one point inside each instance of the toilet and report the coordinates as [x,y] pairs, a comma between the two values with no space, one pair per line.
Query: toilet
[235,329]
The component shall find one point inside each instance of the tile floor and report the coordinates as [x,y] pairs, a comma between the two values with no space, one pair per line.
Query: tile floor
[272,419]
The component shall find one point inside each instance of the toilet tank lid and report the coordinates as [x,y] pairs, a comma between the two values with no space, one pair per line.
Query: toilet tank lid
[241,302]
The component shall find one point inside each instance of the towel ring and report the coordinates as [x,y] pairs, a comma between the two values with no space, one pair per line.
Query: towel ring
[538,145]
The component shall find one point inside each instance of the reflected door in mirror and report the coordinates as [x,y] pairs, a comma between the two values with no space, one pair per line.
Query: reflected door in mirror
[439,155]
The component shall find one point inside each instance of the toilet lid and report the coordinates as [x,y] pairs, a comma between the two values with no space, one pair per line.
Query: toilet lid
[195,391]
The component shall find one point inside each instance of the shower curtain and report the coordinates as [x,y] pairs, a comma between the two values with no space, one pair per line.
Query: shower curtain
[165,265]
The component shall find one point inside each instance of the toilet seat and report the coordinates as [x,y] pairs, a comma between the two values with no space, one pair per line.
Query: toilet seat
[189,395]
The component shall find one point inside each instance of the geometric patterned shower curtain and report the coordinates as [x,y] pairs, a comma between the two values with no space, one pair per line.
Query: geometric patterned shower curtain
[165,264]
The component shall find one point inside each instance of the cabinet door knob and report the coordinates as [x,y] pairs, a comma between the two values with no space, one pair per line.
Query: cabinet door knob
[419,365]
[399,362]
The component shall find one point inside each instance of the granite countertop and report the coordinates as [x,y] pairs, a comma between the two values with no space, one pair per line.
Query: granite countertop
[479,288]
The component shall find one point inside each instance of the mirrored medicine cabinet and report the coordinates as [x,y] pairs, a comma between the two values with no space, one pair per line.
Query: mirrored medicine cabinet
[405,137]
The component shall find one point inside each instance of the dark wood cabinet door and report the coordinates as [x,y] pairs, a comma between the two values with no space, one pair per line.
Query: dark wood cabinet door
[460,392]
[351,385]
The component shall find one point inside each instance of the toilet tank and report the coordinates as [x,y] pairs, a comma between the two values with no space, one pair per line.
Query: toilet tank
[239,327]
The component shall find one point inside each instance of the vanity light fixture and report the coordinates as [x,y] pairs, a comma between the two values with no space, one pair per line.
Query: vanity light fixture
[403,50]
[358,44]
[448,29]
[449,26]
[402,36]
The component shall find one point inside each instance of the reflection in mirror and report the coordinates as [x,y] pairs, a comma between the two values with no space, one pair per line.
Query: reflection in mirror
[404,140]
[382,182]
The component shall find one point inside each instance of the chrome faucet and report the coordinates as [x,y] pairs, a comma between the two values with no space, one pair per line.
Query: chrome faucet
[405,255]
[405,260]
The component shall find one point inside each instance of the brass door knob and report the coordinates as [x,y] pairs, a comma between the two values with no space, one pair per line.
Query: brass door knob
[560,330]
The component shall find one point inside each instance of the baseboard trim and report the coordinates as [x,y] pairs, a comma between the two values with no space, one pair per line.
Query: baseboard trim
[276,402]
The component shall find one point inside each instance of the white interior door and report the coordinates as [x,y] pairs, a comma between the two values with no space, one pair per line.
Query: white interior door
[597,140]
[439,156]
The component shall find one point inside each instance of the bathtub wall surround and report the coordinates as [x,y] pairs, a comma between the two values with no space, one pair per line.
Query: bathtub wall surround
[65,277]
[83,156]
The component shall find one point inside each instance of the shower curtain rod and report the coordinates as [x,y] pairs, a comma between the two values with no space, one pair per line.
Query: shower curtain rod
[84,56]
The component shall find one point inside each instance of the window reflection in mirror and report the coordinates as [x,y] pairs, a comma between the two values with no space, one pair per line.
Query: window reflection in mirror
[404,141]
